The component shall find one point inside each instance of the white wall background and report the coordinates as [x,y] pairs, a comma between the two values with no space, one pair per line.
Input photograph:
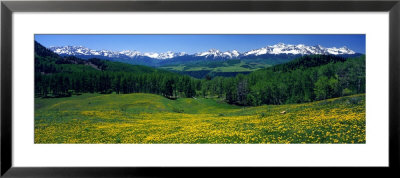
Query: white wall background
[373,153]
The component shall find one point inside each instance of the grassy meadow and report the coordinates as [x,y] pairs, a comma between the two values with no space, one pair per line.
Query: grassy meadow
[149,118]
[239,66]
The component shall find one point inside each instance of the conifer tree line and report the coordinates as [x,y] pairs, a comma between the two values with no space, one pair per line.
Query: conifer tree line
[57,80]
[305,79]
[66,84]
[284,84]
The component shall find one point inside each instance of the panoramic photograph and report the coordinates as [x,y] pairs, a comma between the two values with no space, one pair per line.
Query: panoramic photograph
[200,89]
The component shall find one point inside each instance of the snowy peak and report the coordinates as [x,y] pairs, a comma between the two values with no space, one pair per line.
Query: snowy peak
[339,51]
[130,53]
[233,53]
[83,51]
[299,49]
[277,49]
[166,55]
[210,53]
[214,53]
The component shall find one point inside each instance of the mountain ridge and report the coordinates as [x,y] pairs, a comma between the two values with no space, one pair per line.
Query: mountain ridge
[277,49]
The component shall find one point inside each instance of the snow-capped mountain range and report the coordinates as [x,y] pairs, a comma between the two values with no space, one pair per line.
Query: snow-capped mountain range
[277,49]
[83,51]
[301,49]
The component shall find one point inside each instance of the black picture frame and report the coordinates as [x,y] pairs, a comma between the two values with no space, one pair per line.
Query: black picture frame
[8,7]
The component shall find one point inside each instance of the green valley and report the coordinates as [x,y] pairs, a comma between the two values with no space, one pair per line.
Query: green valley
[227,68]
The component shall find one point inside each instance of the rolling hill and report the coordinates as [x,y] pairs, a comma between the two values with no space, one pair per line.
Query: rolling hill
[147,118]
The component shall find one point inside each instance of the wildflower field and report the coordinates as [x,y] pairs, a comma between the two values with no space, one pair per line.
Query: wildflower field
[148,118]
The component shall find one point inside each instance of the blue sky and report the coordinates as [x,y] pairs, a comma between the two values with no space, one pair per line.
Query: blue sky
[198,43]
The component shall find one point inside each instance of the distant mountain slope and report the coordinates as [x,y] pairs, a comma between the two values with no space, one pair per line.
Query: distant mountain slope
[307,62]
[234,67]
[42,51]
[47,61]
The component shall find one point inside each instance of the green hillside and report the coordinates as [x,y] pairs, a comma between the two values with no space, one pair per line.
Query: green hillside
[149,118]
[48,62]
[57,76]
[305,79]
